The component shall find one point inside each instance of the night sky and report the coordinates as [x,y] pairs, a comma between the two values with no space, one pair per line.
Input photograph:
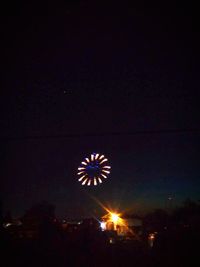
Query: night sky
[121,80]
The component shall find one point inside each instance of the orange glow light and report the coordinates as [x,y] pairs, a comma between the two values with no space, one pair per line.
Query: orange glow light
[114,217]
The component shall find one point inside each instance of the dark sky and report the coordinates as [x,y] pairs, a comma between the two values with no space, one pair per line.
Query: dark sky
[81,77]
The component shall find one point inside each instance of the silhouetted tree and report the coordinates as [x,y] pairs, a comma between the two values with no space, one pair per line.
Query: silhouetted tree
[156,220]
[188,215]
[8,217]
[39,213]
[1,213]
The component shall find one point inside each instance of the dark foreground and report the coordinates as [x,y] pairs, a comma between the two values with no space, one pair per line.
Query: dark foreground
[179,248]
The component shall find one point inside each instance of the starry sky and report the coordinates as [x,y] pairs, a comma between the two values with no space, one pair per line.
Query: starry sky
[121,80]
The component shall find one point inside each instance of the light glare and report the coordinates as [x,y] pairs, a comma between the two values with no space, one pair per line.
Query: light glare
[114,217]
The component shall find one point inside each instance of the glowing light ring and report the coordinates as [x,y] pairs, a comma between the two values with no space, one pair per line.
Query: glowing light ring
[93,170]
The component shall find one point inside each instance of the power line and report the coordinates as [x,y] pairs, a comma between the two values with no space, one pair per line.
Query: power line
[103,134]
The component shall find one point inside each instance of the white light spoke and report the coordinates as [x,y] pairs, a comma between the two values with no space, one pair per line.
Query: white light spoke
[84,182]
[81,178]
[81,172]
[103,161]
[100,181]
[81,168]
[107,167]
[105,171]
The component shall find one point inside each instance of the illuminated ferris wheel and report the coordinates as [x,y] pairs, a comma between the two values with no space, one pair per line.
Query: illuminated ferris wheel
[93,169]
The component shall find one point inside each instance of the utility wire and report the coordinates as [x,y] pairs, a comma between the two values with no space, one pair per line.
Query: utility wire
[79,135]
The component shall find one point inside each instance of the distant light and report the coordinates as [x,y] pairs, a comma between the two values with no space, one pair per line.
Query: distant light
[84,163]
[103,226]
[111,241]
[151,236]
[151,239]
[7,225]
